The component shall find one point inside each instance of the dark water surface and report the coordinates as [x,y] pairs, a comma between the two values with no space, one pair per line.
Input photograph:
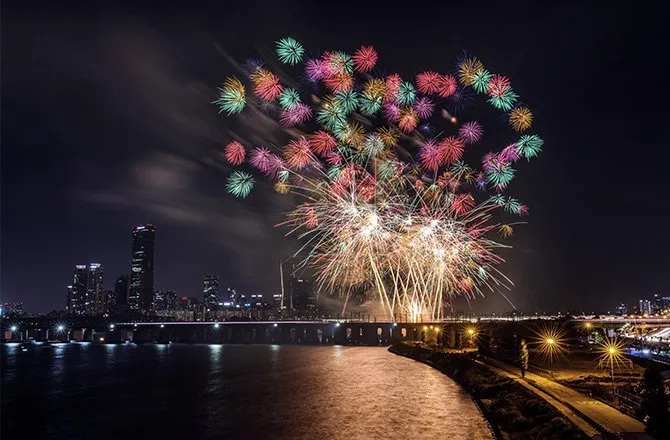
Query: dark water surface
[83,391]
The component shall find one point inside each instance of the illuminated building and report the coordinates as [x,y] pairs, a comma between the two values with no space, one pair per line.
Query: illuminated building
[95,288]
[621,309]
[210,292]
[302,296]
[11,308]
[661,303]
[645,307]
[141,290]
[121,290]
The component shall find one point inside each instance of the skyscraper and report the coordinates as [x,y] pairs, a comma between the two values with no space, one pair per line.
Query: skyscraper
[121,290]
[86,295]
[210,292]
[96,303]
[141,291]
[645,307]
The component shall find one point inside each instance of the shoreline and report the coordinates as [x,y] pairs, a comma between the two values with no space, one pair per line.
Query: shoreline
[509,410]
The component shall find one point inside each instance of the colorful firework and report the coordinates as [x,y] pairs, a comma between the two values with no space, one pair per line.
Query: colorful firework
[240,184]
[386,207]
[520,118]
[289,51]
[232,97]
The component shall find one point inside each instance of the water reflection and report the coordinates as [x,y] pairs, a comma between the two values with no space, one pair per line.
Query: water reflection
[231,391]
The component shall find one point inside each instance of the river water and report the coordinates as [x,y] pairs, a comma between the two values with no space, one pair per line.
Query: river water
[83,391]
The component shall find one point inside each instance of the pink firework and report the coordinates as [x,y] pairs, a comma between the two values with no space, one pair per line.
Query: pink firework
[430,156]
[470,132]
[509,154]
[315,70]
[452,149]
[424,107]
[498,85]
[523,210]
[235,153]
[446,86]
[322,143]
[463,203]
[365,59]
[297,115]
[297,153]
[262,159]
[392,87]
[428,82]
[332,158]
[408,120]
[367,188]
[489,161]
[391,112]
[311,220]
[339,82]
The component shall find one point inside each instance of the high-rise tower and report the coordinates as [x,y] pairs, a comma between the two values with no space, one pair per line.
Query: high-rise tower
[210,292]
[141,290]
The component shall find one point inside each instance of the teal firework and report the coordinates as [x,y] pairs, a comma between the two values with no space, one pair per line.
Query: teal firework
[232,97]
[240,184]
[512,205]
[529,146]
[289,99]
[406,94]
[480,82]
[500,175]
[504,102]
[283,175]
[333,172]
[386,169]
[369,105]
[346,100]
[460,167]
[331,117]
[498,200]
[289,51]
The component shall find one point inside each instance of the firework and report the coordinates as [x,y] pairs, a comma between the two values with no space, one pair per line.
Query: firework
[240,184]
[385,206]
[289,51]
[232,97]
[365,59]
[235,153]
[520,118]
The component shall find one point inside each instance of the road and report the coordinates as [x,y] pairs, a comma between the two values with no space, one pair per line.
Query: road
[610,418]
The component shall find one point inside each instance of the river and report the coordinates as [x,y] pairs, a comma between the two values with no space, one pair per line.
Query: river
[81,391]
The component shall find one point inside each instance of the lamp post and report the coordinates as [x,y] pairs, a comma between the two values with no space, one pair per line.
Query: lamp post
[612,352]
[550,347]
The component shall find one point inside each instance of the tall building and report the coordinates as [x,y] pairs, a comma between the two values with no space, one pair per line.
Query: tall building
[661,302]
[621,309]
[210,292]
[11,308]
[95,290]
[121,290]
[141,291]
[302,297]
[86,294]
[645,307]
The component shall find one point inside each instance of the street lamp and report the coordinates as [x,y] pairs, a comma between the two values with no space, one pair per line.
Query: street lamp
[14,328]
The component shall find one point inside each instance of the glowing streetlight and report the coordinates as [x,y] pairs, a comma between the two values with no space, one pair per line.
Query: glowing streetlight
[14,328]
[612,352]
[60,328]
[216,325]
[550,341]
[111,326]
[588,325]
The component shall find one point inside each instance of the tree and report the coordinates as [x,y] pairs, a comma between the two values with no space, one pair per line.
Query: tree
[655,403]
[523,357]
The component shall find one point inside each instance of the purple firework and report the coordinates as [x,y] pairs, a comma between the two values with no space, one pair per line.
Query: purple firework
[470,132]
[424,107]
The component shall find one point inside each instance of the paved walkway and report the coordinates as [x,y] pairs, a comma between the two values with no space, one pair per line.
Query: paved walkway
[610,418]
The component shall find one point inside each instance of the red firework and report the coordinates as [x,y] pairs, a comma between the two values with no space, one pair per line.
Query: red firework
[498,85]
[332,158]
[446,86]
[408,120]
[322,143]
[309,215]
[428,82]
[452,150]
[365,59]
[431,156]
[297,153]
[462,204]
[392,87]
[267,85]
[235,153]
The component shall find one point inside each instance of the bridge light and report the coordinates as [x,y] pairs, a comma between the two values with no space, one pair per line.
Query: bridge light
[274,325]
[395,324]
[111,326]
[162,325]
[14,328]
[337,324]
[216,325]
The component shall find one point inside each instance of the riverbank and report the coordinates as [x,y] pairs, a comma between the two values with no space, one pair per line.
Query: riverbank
[513,411]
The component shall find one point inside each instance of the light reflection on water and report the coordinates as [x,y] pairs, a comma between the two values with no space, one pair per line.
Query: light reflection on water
[232,391]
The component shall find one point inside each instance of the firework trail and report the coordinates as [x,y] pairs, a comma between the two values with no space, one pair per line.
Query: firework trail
[381,206]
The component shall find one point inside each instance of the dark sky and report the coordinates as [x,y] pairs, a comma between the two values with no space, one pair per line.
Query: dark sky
[106,123]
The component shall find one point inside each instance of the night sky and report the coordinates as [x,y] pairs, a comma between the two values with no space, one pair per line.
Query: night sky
[107,123]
